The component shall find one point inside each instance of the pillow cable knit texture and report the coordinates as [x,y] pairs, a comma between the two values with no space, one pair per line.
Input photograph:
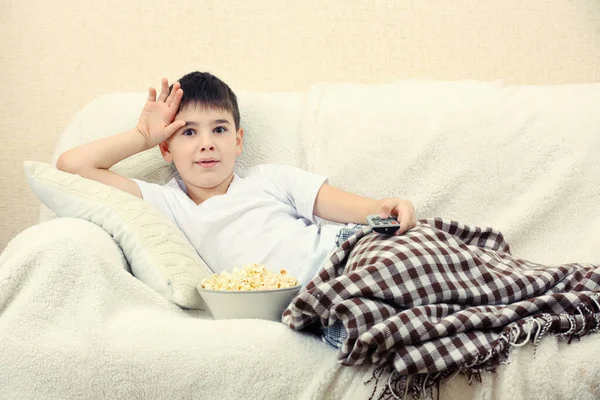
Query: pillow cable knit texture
[157,251]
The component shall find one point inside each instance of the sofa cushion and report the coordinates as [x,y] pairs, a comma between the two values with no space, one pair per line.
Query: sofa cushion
[158,253]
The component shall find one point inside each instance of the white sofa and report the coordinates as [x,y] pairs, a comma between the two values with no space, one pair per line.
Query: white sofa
[521,159]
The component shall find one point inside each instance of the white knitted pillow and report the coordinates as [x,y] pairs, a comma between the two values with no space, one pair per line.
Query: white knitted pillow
[148,166]
[157,251]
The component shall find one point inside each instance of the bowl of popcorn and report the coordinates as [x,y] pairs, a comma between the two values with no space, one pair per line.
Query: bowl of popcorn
[250,292]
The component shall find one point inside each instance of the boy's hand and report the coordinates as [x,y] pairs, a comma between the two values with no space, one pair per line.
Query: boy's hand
[156,123]
[403,210]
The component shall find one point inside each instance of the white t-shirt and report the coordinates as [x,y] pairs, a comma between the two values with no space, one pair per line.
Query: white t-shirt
[266,217]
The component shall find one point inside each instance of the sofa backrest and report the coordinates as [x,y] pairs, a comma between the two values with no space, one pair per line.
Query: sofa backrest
[523,159]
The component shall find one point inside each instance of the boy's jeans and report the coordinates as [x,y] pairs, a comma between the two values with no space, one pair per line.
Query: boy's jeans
[336,333]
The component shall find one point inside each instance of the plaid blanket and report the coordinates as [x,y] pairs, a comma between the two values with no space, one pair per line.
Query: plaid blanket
[444,298]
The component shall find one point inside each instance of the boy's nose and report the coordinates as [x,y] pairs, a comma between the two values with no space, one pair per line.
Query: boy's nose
[206,143]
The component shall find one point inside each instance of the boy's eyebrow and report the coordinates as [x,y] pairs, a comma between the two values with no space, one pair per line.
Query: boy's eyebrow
[217,121]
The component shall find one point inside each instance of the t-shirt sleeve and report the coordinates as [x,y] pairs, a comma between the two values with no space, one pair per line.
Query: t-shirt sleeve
[294,186]
[157,195]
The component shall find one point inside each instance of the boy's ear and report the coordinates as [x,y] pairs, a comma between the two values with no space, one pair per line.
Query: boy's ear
[239,141]
[164,150]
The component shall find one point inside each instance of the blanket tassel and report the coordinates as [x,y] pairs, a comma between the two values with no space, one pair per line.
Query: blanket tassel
[400,386]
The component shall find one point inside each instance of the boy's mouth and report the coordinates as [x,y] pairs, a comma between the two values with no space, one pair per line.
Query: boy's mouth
[208,163]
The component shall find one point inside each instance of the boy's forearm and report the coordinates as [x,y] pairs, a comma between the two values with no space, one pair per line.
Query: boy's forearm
[336,205]
[103,153]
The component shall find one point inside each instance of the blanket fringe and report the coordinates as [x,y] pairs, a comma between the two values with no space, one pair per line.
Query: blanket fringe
[517,334]
[418,386]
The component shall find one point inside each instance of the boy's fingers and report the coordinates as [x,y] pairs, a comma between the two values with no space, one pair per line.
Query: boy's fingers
[402,226]
[386,210]
[172,93]
[176,99]
[174,126]
[404,220]
[164,91]
[151,94]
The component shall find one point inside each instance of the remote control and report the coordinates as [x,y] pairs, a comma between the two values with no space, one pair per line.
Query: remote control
[387,226]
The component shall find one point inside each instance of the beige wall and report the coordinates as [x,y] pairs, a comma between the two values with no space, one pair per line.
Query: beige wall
[58,55]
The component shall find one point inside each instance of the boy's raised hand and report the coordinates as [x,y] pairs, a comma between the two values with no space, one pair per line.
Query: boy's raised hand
[156,123]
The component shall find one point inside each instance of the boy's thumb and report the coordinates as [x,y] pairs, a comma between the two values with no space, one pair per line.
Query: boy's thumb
[385,211]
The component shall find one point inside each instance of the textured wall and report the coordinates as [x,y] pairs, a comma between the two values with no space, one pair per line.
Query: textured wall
[58,55]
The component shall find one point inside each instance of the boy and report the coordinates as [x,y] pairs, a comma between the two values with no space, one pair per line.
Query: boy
[266,216]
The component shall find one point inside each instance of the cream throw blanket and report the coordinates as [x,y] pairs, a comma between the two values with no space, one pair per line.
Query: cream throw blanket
[74,323]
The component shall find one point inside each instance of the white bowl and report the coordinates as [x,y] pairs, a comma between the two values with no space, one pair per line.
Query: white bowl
[261,304]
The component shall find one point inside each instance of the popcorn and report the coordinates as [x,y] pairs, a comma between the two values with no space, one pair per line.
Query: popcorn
[250,277]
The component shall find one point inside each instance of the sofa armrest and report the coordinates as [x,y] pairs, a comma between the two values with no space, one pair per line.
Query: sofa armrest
[70,234]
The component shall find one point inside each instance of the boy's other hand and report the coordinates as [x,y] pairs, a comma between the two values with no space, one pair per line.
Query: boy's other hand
[403,210]
[156,123]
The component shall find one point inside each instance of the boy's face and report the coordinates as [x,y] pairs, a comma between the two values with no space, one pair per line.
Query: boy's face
[205,149]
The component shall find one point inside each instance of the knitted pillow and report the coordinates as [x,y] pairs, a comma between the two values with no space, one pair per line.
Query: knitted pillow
[157,251]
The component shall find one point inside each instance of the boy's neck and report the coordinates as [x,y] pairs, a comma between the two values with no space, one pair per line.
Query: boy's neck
[200,195]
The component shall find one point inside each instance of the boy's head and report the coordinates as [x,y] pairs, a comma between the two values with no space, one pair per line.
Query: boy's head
[204,151]
[202,88]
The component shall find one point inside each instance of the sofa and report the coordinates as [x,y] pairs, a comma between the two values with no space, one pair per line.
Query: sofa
[75,322]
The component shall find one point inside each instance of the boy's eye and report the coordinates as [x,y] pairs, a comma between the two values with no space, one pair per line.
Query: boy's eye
[188,132]
[220,129]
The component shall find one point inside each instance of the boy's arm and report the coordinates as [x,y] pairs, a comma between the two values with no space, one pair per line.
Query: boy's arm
[92,160]
[336,205]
